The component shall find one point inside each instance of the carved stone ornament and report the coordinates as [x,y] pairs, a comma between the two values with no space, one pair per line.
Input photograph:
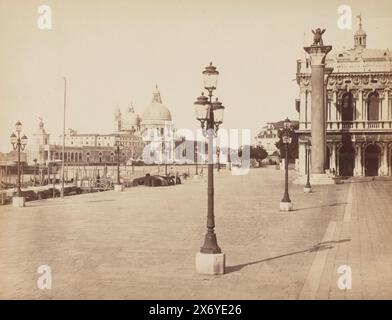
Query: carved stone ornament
[356,81]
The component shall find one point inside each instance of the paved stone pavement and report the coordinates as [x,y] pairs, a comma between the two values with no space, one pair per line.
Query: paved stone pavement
[141,244]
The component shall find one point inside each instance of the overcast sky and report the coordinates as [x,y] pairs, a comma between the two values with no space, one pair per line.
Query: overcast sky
[114,52]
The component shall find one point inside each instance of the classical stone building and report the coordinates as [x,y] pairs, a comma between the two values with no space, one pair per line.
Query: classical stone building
[358,86]
[269,136]
[84,148]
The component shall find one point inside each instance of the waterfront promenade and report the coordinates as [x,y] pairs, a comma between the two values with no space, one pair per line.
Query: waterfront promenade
[141,243]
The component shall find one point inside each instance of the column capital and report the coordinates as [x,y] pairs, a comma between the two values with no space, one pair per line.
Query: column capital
[317,54]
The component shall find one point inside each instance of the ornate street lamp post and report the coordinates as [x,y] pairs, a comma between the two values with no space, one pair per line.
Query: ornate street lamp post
[19,144]
[286,204]
[210,259]
[54,171]
[218,158]
[35,171]
[308,187]
[118,186]
[164,155]
[197,170]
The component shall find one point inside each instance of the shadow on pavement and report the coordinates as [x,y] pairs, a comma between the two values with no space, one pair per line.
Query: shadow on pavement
[318,247]
[324,206]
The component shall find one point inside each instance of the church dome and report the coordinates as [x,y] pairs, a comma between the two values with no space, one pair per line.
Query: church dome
[131,117]
[156,111]
[360,32]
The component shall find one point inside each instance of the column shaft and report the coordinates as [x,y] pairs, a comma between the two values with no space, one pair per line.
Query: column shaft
[318,119]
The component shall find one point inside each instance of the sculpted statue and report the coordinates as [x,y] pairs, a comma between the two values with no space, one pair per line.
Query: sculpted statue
[41,122]
[317,39]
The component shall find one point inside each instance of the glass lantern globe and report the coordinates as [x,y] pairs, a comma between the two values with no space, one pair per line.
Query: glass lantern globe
[218,109]
[18,126]
[210,77]
[287,123]
[23,140]
[13,139]
[201,108]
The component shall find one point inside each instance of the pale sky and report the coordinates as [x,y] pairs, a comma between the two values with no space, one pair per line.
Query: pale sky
[114,52]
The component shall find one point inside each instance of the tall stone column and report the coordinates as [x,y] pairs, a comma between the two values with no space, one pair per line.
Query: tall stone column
[317,53]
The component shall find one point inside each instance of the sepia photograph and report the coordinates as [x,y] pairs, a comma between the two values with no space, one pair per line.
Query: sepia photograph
[194,150]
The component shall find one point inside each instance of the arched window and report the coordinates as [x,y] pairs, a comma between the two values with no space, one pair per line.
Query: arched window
[347,107]
[373,106]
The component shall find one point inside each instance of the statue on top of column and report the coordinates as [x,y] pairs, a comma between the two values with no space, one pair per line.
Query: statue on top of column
[317,39]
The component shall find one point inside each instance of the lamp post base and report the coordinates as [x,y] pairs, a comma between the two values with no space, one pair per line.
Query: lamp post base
[286,206]
[308,189]
[18,202]
[118,187]
[210,263]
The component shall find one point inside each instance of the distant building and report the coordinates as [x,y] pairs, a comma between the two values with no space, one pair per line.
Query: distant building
[11,158]
[269,136]
[84,148]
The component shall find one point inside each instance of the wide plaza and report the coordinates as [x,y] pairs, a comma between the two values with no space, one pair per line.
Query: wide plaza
[141,243]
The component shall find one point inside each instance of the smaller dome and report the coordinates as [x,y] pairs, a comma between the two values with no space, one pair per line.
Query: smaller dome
[360,32]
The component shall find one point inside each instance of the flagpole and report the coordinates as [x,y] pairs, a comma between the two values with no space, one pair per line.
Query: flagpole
[62,162]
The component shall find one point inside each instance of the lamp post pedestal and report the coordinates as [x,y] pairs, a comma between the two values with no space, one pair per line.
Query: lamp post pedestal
[118,187]
[210,263]
[18,201]
[307,189]
[286,206]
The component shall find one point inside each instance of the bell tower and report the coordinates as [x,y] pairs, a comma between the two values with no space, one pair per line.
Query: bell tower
[117,120]
[360,36]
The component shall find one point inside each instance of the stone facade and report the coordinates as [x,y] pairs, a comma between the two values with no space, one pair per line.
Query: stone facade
[358,110]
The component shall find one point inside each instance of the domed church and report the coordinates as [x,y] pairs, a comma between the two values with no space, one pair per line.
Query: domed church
[156,116]
[157,128]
